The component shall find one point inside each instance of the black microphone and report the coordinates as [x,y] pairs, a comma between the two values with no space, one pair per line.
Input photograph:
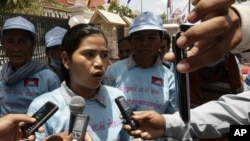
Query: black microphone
[76,106]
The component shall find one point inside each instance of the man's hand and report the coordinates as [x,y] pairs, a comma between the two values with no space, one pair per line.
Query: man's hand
[218,33]
[152,125]
[10,127]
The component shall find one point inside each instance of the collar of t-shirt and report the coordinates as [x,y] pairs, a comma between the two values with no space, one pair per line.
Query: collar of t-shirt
[67,93]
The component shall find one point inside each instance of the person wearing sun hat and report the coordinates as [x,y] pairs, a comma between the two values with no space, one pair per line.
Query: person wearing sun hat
[146,21]
[20,23]
[146,82]
[53,41]
[21,78]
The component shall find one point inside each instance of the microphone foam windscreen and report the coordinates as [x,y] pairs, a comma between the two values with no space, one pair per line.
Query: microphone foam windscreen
[77,104]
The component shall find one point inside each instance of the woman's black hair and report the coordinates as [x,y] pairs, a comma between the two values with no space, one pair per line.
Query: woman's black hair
[72,40]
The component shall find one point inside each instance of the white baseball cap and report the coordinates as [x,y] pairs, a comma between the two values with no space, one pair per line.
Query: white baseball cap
[54,36]
[146,21]
[19,23]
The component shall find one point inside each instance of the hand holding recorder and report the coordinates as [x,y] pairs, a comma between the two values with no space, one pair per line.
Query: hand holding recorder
[152,125]
[10,127]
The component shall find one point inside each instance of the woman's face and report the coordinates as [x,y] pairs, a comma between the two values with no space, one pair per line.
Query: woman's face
[19,47]
[88,63]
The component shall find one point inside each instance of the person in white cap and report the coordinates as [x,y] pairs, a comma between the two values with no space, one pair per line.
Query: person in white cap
[53,41]
[145,81]
[21,78]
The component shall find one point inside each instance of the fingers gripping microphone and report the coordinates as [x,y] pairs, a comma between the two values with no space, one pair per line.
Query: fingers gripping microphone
[76,106]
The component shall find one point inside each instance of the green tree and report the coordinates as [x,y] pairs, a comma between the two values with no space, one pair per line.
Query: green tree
[33,7]
[164,18]
[121,10]
[114,7]
[126,11]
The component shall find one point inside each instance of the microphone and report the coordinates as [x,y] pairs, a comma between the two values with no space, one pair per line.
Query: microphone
[76,106]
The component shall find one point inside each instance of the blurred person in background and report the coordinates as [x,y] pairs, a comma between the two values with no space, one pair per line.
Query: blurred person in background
[53,41]
[124,47]
[145,81]
[21,78]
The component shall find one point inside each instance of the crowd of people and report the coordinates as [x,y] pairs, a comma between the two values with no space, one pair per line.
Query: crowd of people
[81,53]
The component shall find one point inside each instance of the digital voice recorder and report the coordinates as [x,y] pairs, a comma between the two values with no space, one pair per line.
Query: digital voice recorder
[42,115]
[126,112]
[79,127]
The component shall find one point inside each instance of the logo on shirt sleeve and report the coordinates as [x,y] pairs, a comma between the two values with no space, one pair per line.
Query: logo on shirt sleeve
[157,81]
[31,82]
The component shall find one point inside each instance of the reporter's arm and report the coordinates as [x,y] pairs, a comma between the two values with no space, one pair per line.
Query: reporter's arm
[212,119]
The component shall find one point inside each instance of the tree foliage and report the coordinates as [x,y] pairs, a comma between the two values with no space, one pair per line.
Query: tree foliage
[163,18]
[121,10]
[32,7]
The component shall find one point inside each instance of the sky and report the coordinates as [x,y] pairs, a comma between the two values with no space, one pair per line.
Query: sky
[157,6]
